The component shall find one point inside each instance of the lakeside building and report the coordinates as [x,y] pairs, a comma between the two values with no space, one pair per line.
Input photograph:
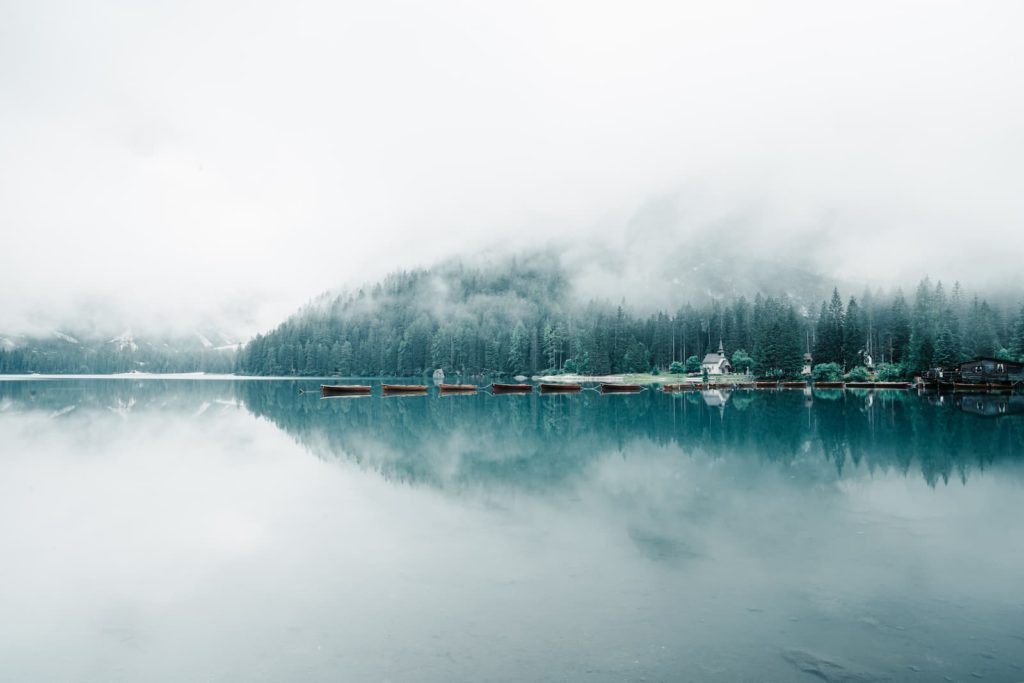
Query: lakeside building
[984,370]
[716,363]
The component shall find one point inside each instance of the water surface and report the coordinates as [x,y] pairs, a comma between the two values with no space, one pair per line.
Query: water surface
[239,530]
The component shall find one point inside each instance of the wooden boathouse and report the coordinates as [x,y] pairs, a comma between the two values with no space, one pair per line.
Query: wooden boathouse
[984,370]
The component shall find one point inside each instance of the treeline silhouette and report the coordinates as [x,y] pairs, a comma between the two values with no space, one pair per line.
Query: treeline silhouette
[56,356]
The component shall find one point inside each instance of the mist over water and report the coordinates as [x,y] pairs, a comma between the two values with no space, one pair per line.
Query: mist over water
[240,530]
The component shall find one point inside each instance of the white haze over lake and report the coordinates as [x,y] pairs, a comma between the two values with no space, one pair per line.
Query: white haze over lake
[166,162]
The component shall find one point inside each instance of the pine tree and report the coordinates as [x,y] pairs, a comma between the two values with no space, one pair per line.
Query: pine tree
[899,328]
[853,335]
[517,350]
[946,354]
[829,335]
[598,350]
[553,345]
[617,346]
[949,328]
[922,329]
[636,358]
[821,334]
[868,315]
[345,359]
[980,339]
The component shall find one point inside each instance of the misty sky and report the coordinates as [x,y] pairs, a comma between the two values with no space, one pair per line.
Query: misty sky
[193,159]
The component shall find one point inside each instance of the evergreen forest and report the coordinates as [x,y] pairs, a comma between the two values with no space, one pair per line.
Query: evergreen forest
[525,319]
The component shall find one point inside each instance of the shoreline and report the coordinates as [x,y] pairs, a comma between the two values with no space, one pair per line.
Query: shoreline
[142,376]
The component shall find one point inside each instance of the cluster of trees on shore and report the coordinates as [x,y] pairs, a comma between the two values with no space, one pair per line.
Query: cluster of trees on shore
[519,319]
[937,329]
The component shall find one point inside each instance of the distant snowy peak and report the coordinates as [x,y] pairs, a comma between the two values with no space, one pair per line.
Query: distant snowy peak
[7,344]
[124,341]
[65,337]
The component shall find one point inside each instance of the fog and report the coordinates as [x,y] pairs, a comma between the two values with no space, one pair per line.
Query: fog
[168,162]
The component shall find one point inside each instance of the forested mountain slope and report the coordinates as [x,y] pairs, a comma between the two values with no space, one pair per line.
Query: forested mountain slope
[534,314]
[524,315]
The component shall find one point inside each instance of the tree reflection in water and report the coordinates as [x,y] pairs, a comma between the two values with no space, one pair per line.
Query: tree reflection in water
[535,442]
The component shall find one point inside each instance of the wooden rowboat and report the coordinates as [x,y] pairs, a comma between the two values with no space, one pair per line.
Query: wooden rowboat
[560,388]
[404,388]
[344,390]
[458,388]
[610,388]
[829,385]
[685,386]
[794,385]
[766,385]
[860,385]
[512,388]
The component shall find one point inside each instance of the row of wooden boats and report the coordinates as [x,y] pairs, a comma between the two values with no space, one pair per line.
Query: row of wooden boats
[608,387]
[413,389]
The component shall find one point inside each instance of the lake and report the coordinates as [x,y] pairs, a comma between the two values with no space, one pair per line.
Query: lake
[239,530]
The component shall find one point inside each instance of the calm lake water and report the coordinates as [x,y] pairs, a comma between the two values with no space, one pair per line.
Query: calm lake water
[158,530]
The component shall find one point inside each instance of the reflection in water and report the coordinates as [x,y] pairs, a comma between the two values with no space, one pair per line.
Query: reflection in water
[991,405]
[538,441]
[715,398]
[744,535]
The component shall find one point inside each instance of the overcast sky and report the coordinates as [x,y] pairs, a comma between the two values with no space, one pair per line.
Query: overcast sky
[178,159]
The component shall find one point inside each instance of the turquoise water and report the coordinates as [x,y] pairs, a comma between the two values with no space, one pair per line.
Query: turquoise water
[240,530]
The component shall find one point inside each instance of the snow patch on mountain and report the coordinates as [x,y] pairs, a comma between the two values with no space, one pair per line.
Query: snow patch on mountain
[125,341]
[204,340]
[66,337]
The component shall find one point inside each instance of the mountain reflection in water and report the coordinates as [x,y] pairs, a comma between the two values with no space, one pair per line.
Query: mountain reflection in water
[535,441]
